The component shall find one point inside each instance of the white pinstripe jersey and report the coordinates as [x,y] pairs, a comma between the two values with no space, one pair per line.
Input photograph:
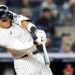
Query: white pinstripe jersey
[16,36]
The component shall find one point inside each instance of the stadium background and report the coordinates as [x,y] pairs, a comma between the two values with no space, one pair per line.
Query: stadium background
[57,18]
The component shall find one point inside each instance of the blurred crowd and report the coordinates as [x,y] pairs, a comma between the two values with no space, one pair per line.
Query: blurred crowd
[68,70]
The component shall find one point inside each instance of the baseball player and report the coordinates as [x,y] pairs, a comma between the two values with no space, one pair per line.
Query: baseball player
[15,36]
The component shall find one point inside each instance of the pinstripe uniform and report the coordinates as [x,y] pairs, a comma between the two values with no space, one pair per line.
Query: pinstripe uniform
[19,42]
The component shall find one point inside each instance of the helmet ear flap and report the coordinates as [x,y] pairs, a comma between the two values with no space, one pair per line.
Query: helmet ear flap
[11,16]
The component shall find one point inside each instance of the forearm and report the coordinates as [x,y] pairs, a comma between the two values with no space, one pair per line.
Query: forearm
[32,28]
[29,26]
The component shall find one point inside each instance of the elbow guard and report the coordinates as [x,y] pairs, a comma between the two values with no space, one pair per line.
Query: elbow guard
[32,28]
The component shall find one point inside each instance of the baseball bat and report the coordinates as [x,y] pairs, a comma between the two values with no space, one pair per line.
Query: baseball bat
[46,57]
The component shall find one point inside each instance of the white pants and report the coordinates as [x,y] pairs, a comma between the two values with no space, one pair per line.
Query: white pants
[31,65]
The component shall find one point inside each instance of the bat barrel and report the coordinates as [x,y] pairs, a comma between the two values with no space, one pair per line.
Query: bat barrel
[46,58]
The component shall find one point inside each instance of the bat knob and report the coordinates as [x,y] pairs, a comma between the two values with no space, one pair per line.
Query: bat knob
[47,65]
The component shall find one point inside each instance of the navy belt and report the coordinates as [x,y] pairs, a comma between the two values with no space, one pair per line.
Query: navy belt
[35,52]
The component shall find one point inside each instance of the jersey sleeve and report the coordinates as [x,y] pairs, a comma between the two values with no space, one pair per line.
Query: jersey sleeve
[19,18]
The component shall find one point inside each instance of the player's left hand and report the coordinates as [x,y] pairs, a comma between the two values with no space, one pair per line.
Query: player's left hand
[41,36]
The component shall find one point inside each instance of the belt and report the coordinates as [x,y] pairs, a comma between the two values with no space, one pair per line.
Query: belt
[35,52]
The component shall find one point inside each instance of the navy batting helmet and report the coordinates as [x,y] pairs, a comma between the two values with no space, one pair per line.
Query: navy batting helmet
[4,12]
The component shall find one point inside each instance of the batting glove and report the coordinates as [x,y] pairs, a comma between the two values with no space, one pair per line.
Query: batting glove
[41,36]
